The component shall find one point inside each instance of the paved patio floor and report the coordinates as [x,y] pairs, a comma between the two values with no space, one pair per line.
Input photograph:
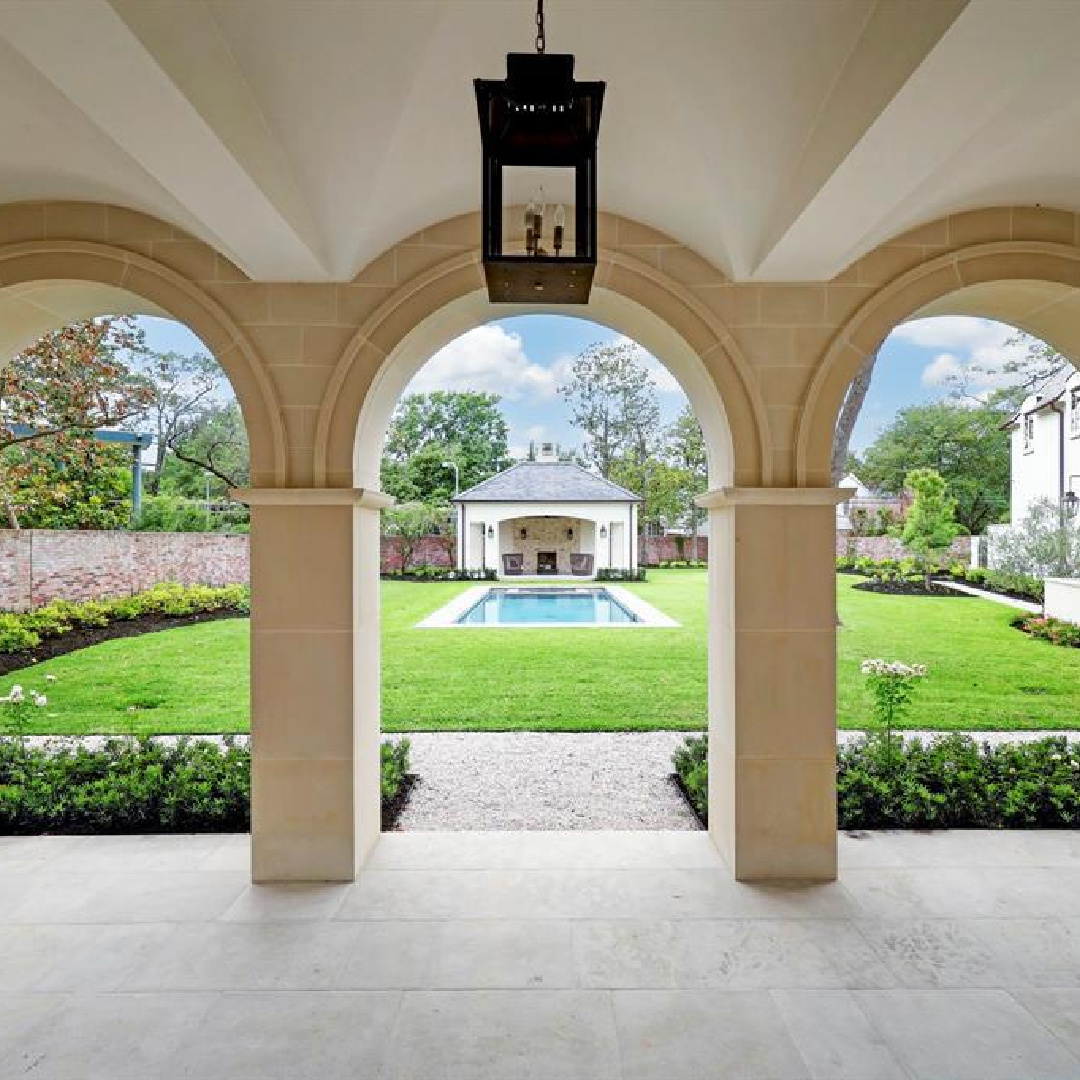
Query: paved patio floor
[553,956]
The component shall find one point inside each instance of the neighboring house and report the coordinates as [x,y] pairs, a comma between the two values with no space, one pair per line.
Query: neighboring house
[1045,448]
[547,517]
[862,510]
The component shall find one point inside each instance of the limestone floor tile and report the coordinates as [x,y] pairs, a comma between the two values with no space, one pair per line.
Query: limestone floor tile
[935,952]
[138,853]
[338,1035]
[100,958]
[539,850]
[1032,952]
[859,850]
[966,1035]
[287,903]
[626,953]
[21,1014]
[247,956]
[504,954]
[504,1035]
[1058,1010]
[834,1036]
[29,953]
[161,896]
[44,896]
[233,853]
[390,955]
[704,1035]
[22,854]
[107,1037]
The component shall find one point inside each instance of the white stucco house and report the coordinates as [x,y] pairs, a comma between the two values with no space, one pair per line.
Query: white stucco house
[546,517]
[1045,450]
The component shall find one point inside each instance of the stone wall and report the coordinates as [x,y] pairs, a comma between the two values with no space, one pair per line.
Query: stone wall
[890,547]
[38,566]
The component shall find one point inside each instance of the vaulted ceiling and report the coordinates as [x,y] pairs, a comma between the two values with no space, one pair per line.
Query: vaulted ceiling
[780,138]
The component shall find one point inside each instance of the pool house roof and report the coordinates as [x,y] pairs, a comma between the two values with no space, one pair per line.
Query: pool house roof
[548,482]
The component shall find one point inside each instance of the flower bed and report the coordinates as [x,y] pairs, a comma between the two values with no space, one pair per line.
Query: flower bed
[896,573]
[63,627]
[147,786]
[948,782]
[1047,628]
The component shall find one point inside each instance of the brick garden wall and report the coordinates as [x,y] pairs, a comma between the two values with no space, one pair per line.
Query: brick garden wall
[889,547]
[430,551]
[37,566]
[654,549]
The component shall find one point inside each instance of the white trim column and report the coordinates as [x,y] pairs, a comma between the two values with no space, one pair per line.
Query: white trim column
[315,803]
[772,680]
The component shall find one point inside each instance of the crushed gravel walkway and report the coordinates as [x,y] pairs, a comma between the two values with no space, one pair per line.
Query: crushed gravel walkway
[540,780]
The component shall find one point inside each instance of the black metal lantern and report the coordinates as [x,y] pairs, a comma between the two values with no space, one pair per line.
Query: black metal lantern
[539,117]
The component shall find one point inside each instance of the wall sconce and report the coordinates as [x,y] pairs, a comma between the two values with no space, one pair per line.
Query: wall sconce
[523,534]
[491,532]
[569,534]
[603,531]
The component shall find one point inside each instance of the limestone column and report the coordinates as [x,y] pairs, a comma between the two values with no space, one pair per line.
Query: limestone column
[772,680]
[314,681]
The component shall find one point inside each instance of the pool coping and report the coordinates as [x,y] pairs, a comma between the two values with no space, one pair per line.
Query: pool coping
[446,617]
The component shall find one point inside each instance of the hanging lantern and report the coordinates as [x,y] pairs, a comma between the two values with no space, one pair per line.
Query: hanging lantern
[539,118]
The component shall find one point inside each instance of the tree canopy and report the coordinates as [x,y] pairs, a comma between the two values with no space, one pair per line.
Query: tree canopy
[967,445]
[465,427]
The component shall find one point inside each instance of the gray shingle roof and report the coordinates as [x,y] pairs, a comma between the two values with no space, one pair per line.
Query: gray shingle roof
[546,481]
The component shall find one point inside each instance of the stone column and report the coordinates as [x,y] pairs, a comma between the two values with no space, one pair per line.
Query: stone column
[315,809]
[772,680]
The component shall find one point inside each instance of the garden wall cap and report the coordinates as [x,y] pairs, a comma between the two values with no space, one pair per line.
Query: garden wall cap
[544,481]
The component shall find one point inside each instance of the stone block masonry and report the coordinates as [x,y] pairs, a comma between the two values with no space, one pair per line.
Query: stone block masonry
[38,566]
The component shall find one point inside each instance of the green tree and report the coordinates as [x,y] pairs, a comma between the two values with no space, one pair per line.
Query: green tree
[410,522]
[210,442]
[181,390]
[685,447]
[930,526]
[57,392]
[467,428]
[613,400]
[968,447]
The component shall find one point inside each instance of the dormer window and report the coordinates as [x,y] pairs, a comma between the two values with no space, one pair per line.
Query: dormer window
[1029,433]
[1074,412]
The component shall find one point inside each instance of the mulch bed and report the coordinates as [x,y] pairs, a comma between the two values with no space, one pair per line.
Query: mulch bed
[908,588]
[84,637]
[680,787]
[391,810]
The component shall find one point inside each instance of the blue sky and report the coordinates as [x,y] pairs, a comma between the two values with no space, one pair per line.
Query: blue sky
[525,359]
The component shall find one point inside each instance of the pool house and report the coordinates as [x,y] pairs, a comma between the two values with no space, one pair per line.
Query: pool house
[547,518]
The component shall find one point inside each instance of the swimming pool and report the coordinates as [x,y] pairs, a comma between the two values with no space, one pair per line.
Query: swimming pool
[545,606]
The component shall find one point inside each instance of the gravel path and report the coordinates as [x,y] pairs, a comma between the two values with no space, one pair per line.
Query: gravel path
[537,780]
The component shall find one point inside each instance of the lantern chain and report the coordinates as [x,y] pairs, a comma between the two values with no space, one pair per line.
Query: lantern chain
[541,42]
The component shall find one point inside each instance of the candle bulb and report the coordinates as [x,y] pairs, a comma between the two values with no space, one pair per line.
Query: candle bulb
[560,223]
[530,239]
[538,223]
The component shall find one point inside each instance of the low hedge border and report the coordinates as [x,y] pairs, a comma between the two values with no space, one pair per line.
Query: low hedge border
[951,782]
[148,786]
[1047,628]
[64,626]
[1017,586]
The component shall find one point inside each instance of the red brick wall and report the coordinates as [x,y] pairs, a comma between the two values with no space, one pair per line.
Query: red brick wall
[654,549]
[430,551]
[889,547]
[37,566]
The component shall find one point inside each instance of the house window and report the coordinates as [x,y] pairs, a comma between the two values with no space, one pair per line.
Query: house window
[1029,433]
[1074,412]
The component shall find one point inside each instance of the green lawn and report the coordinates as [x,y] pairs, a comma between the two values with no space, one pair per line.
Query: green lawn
[983,674]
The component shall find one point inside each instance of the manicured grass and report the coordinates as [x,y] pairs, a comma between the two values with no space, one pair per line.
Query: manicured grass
[983,674]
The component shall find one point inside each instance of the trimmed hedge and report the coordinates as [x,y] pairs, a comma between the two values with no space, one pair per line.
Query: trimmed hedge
[140,786]
[19,632]
[950,782]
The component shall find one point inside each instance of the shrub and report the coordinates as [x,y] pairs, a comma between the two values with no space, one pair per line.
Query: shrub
[1044,544]
[139,785]
[609,573]
[1047,628]
[691,761]
[19,632]
[948,782]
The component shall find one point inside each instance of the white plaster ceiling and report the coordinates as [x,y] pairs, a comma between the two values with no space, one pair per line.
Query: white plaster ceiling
[780,138]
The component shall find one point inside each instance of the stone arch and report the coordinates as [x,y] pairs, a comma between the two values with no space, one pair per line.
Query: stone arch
[66,280]
[629,295]
[1031,284]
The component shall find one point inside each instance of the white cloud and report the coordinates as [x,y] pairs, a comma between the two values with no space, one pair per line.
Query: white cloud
[941,370]
[490,360]
[955,333]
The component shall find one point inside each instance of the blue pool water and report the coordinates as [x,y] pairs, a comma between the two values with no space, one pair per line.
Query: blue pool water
[521,607]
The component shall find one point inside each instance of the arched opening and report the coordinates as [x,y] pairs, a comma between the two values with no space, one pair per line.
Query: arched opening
[617,313]
[998,428]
